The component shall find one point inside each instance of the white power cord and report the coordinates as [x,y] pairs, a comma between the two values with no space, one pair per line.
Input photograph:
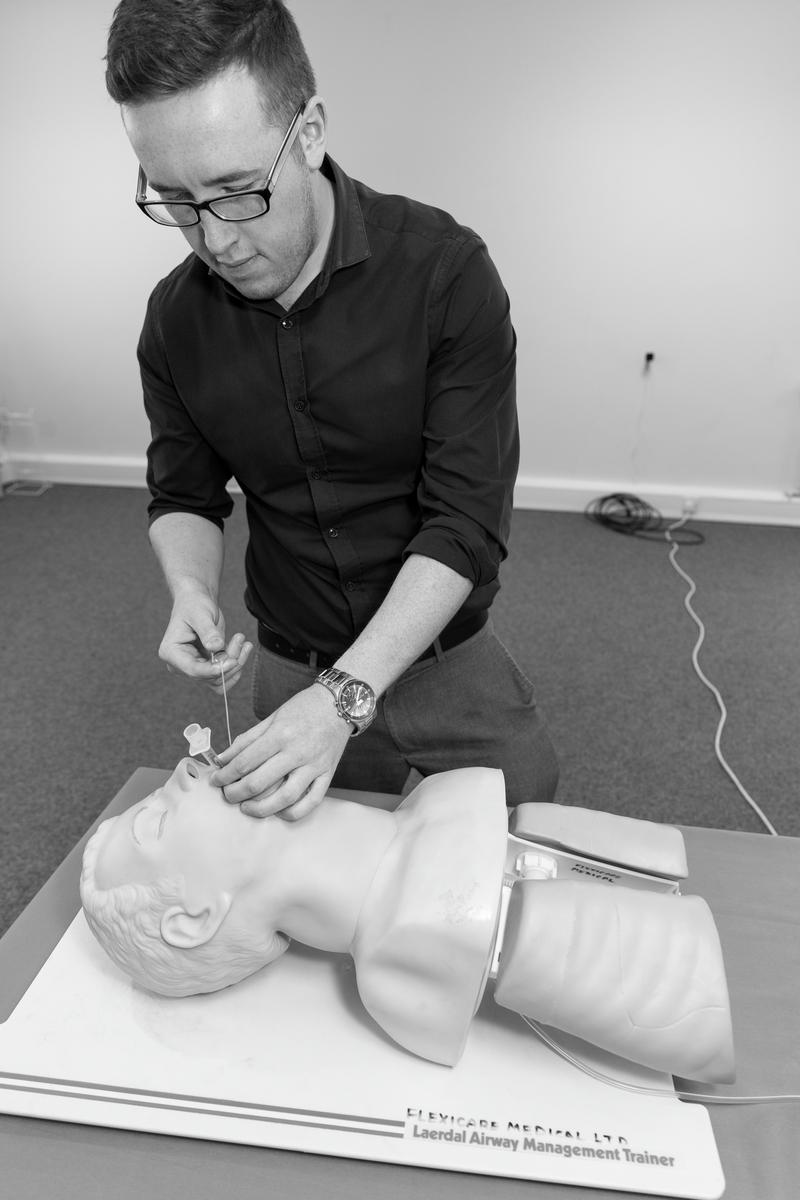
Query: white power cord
[687,604]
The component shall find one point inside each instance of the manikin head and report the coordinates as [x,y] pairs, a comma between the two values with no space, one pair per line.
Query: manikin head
[207,92]
[169,888]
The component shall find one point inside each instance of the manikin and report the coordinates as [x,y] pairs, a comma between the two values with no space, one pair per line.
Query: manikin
[187,894]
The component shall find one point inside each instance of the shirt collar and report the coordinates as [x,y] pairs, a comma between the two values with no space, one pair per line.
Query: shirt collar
[348,245]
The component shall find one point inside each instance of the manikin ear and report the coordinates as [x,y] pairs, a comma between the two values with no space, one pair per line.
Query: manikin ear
[187,930]
[313,135]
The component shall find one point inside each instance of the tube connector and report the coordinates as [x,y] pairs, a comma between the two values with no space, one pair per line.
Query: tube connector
[530,865]
[200,744]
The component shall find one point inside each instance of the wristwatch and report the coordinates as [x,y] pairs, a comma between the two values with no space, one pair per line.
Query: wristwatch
[355,700]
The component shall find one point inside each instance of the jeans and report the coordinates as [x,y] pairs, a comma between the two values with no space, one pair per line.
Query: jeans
[470,706]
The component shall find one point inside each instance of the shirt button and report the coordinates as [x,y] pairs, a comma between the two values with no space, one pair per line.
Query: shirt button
[287,323]
[317,473]
[333,532]
[300,405]
[351,585]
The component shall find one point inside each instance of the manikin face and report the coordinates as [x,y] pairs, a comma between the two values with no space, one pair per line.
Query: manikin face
[183,828]
[214,140]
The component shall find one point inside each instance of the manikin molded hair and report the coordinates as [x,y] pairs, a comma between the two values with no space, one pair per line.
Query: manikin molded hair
[126,921]
[159,47]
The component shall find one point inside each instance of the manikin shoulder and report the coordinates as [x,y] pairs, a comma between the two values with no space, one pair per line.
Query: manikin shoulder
[427,926]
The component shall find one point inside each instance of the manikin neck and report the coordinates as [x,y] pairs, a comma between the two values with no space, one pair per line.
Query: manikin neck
[314,874]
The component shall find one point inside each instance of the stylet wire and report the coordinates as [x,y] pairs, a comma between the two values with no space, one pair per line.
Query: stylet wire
[224,696]
[227,710]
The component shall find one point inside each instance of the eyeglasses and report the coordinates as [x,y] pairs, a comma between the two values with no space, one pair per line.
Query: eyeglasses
[239,206]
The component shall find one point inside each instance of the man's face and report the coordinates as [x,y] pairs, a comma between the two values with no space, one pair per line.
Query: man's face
[183,828]
[214,140]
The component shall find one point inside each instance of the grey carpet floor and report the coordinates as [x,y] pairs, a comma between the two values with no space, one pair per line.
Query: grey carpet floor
[596,619]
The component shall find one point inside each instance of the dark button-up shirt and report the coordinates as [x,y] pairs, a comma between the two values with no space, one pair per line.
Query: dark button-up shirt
[374,419]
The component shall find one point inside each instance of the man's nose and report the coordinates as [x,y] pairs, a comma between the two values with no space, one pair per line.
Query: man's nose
[218,235]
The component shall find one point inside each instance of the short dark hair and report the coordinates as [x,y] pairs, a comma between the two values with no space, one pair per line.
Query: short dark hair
[159,47]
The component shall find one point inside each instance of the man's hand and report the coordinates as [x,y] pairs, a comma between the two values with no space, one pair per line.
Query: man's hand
[196,630]
[285,763]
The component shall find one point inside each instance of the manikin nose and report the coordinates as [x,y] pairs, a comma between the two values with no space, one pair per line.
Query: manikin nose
[191,768]
[189,772]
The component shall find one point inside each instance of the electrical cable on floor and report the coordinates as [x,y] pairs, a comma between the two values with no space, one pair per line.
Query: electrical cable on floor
[627,514]
[641,1088]
[715,692]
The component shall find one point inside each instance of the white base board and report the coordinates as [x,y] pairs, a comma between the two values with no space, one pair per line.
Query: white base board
[290,1059]
[551,495]
[738,506]
[85,469]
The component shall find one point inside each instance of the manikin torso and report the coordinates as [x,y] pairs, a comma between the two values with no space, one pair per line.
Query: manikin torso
[417,897]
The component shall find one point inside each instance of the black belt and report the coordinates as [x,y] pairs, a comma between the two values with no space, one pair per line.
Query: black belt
[273,641]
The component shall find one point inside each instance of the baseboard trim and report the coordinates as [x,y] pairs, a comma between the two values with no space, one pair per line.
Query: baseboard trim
[553,495]
[87,469]
[742,506]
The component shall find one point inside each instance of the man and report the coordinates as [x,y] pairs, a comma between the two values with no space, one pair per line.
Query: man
[349,359]
[188,895]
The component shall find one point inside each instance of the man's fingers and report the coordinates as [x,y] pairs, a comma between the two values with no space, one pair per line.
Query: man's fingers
[236,761]
[301,742]
[219,687]
[188,659]
[284,797]
[231,660]
[230,665]
[228,658]
[232,669]
[307,802]
[262,781]
[194,644]
[237,647]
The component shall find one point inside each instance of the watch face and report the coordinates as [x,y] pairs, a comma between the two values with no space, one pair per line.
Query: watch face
[357,699]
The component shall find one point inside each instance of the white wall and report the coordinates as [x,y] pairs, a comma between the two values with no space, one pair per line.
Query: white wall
[632,165]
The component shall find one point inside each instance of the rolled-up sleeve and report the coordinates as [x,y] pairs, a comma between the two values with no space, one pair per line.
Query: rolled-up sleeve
[184,474]
[471,432]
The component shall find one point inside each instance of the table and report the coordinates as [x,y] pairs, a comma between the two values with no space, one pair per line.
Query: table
[752,883]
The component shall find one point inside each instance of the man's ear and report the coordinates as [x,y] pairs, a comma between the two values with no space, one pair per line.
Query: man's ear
[187,930]
[314,132]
